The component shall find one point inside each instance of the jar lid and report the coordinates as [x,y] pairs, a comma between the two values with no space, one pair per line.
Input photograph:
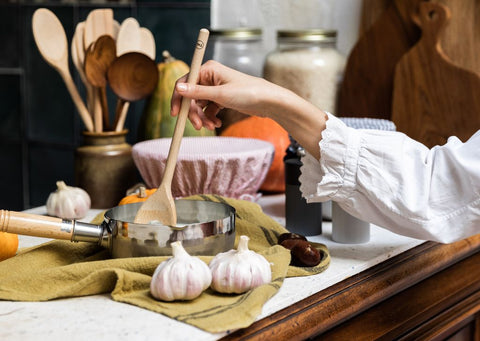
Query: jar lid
[308,35]
[243,33]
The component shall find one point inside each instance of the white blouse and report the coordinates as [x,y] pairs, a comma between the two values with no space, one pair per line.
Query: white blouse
[392,181]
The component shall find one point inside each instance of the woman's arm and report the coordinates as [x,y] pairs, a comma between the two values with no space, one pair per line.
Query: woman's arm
[390,180]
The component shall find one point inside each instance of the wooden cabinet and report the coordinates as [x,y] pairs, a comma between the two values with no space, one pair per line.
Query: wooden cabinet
[431,292]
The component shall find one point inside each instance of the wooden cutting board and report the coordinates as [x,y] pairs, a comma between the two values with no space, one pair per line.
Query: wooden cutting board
[366,90]
[460,41]
[433,98]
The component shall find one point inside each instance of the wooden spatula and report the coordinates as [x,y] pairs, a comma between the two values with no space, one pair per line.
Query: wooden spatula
[434,98]
[160,206]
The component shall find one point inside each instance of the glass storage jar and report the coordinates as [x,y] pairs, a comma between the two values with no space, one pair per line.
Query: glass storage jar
[308,63]
[239,48]
[242,50]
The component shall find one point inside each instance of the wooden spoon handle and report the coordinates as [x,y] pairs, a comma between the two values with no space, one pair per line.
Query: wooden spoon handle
[121,114]
[104,103]
[77,100]
[35,225]
[185,107]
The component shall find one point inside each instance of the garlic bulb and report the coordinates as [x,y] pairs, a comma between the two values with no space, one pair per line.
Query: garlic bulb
[237,271]
[68,202]
[181,277]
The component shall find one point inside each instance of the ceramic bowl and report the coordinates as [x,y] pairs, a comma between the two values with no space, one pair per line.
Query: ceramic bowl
[227,166]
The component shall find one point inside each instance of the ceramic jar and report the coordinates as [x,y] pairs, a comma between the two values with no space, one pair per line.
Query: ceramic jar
[104,167]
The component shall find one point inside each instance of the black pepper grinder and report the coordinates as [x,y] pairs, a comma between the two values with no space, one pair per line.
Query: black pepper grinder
[301,218]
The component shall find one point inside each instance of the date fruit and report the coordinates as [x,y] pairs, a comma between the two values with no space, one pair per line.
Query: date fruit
[303,253]
[290,235]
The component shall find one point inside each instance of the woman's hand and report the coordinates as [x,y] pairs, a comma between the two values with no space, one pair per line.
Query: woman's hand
[222,87]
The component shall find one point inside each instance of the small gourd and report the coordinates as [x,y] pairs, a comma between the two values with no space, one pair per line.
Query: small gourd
[141,196]
[8,245]
[181,277]
[266,129]
[156,121]
[68,202]
[237,271]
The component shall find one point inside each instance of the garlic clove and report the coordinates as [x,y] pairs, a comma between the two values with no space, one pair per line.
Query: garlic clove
[181,277]
[68,202]
[237,271]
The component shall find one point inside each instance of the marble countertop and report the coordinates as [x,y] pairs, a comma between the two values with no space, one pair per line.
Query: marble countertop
[100,318]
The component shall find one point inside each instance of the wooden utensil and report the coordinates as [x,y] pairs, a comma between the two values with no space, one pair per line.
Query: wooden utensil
[78,58]
[366,90]
[133,38]
[51,41]
[128,39]
[433,98]
[99,22]
[160,205]
[132,76]
[147,42]
[98,58]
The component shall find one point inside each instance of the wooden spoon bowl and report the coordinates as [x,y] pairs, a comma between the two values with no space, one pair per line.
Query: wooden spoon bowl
[133,76]
[98,58]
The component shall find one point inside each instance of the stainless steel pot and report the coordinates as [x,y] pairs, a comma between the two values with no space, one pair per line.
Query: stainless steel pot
[204,227]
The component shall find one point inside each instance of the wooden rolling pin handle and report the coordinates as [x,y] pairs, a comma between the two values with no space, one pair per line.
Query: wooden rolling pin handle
[35,225]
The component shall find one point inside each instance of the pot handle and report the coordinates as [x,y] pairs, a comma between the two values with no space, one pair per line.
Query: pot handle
[35,225]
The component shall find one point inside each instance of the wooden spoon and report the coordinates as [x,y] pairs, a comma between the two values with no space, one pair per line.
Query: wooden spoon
[78,58]
[98,58]
[52,43]
[131,38]
[161,205]
[132,76]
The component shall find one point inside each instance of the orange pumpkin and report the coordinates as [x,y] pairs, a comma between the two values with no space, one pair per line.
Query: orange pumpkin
[8,245]
[265,129]
[137,197]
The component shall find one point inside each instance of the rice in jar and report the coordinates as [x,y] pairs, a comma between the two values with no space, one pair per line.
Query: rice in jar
[308,63]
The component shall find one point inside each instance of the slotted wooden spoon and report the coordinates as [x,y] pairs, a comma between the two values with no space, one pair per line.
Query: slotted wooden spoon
[160,206]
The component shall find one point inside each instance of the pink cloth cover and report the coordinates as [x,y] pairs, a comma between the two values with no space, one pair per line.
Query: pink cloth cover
[228,166]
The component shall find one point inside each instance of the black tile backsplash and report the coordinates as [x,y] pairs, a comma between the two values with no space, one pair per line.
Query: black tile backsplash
[11,112]
[11,175]
[10,36]
[40,126]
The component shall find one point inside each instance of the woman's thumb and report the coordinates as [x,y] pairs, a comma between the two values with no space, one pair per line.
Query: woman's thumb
[193,91]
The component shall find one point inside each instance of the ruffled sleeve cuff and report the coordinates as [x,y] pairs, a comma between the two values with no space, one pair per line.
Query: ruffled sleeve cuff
[333,176]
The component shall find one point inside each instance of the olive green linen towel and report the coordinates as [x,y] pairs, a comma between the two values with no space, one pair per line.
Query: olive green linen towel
[59,269]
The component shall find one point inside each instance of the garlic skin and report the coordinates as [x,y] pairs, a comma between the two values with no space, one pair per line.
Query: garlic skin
[181,277]
[237,271]
[68,202]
